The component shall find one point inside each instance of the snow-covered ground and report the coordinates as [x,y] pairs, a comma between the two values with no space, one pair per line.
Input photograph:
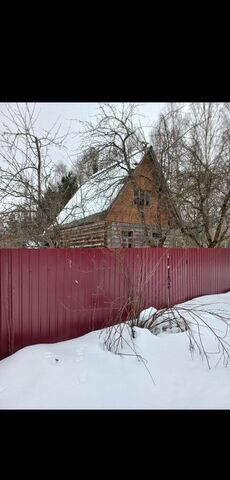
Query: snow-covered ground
[82,374]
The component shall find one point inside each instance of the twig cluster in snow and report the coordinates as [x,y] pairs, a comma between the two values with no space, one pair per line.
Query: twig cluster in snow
[190,319]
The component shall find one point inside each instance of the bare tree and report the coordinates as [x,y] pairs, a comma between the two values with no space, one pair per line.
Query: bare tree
[192,146]
[114,138]
[26,171]
[60,170]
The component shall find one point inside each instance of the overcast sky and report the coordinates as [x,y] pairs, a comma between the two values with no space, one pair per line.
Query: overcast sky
[64,112]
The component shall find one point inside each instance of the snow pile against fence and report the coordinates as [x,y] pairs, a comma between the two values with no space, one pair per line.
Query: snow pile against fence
[82,374]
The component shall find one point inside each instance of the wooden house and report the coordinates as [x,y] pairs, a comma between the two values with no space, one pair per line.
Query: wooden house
[119,207]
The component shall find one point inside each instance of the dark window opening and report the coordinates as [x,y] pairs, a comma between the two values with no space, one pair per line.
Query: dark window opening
[127,238]
[157,238]
[147,199]
[143,199]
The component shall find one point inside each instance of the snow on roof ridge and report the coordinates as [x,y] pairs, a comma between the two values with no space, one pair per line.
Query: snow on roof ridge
[98,192]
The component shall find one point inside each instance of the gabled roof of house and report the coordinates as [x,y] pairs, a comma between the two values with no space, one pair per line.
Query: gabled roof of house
[97,194]
[95,197]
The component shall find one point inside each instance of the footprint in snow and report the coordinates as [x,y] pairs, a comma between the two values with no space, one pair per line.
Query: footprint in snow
[52,359]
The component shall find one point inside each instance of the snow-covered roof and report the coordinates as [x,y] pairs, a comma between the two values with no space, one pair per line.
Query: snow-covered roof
[96,195]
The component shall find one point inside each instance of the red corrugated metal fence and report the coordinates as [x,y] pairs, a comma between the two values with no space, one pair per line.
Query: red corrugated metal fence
[50,295]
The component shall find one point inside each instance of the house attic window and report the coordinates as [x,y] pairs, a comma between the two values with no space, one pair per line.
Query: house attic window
[142,199]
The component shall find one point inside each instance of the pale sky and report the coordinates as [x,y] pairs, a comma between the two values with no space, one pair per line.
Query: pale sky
[64,112]
[49,112]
